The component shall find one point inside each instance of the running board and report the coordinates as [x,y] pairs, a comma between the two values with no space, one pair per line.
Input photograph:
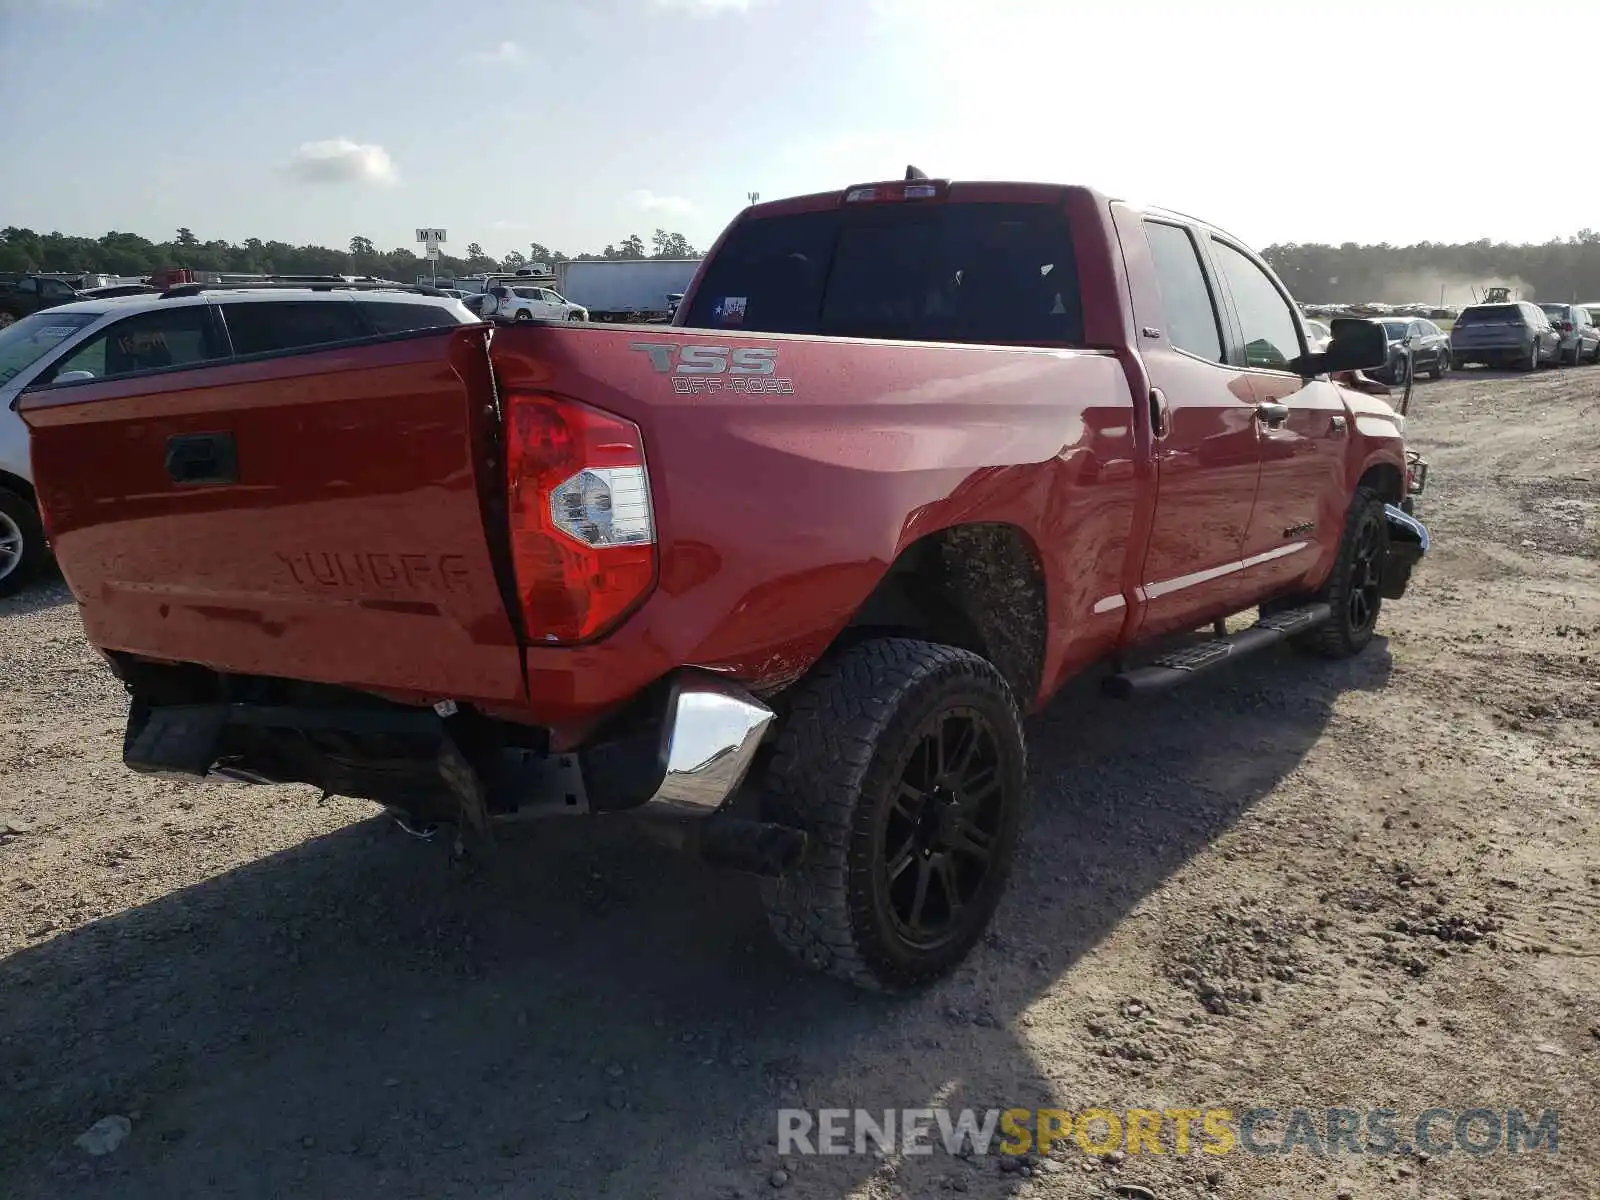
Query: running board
[1179,667]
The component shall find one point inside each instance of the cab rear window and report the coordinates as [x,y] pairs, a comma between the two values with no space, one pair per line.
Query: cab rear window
[965,272]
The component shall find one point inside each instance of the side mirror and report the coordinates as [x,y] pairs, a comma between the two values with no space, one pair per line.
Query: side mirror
[73,377]
[1357,345]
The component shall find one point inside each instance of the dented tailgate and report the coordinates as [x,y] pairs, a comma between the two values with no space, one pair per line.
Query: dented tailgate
[317,516]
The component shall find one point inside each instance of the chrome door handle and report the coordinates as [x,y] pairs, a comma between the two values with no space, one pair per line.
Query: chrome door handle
[1338,424]
[1271,413]
[1160,414]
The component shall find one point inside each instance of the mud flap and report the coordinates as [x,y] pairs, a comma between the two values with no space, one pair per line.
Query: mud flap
[466,785]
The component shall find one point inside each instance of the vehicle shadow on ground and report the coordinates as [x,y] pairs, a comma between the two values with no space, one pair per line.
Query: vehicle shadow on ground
[593,1015]
[47,592]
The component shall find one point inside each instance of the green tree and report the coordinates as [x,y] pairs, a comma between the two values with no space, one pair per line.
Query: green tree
[186,238]
[671,245]
[361,245]
[514,261]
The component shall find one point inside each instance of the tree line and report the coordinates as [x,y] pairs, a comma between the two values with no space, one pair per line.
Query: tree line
[1563,270]
[23,250]
[1429,272]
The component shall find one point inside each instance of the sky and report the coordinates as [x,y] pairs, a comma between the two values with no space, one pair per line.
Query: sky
[574,123]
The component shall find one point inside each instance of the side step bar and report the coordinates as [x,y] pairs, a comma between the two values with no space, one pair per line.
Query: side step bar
[1181,666]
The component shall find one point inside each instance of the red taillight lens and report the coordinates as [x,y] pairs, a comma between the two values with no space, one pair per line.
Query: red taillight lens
[1566,327]
[583,544]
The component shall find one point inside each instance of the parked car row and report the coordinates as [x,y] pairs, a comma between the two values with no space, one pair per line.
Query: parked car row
[1524,336]
[1373,308]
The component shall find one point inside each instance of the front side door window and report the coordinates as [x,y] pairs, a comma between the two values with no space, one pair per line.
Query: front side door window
[1266,319]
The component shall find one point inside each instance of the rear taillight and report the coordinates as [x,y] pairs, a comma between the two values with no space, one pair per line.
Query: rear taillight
[1566,327]
[583,539]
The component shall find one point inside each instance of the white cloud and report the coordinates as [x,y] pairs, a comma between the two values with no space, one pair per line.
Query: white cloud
[503,223]
[505,52]
[340,160]
[705,8]
[675,206]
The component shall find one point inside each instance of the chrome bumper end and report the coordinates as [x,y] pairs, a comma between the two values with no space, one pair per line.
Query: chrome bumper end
[709,737]
[1408,542]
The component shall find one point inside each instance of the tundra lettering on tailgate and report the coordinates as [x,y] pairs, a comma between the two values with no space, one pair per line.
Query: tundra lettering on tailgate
[318,570]
[697,370]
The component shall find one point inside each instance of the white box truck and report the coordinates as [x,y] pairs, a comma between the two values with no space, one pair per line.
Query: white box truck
[625,289]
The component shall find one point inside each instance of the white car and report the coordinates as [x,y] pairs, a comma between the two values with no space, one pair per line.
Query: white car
[516,302]
[187,327]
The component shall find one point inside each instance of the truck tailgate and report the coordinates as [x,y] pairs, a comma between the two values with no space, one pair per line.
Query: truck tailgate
[318,516]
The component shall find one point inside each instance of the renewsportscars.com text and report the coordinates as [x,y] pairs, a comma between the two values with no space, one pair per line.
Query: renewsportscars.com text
[1177,1131]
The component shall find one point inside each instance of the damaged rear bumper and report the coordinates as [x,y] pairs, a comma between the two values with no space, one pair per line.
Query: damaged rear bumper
[677,764]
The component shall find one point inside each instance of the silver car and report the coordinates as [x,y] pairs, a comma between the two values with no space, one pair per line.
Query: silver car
[1580,339]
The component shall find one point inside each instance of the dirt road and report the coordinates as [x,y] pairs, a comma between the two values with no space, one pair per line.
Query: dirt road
[1371,884]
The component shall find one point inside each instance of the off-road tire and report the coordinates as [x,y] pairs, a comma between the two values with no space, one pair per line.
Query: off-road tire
[19,512]
[523,315]
[1340,637]
[836,771]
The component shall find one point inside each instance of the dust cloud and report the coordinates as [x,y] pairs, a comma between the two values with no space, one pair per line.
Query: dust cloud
[1427,287]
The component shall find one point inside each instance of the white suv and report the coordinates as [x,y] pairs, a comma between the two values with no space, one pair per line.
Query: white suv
[186,327]
[520,302]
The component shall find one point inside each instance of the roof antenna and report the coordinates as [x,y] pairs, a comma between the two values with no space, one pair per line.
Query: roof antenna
[914,173]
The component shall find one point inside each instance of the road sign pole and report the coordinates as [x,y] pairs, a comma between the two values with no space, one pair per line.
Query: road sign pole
[432,239]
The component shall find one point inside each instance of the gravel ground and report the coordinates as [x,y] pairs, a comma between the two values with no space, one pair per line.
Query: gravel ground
[1366,884]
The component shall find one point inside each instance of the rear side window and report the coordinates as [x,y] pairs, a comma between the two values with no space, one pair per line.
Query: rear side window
[279,325]
[403,318]
[1186,303]
[981,273]
[152,341]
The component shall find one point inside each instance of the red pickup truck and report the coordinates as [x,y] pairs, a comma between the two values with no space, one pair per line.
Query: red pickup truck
[780,578]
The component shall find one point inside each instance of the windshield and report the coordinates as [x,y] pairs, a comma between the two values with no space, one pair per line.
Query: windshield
[24,342]
[1395,330]
[971,272]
